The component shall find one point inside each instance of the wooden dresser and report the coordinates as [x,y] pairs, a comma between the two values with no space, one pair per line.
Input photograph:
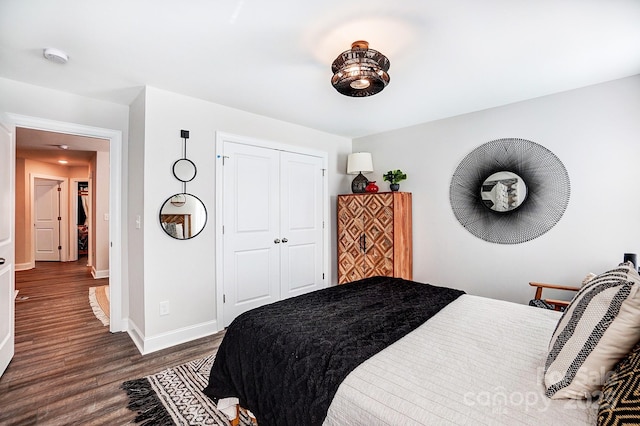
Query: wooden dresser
[374,236]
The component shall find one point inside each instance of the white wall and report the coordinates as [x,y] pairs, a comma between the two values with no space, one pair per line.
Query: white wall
[594,131]
[136,208]
[101,200]
[182,272]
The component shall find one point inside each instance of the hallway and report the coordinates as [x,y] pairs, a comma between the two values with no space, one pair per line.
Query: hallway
[68,367]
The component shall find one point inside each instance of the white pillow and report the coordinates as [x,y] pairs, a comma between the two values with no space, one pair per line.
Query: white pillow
[597,329]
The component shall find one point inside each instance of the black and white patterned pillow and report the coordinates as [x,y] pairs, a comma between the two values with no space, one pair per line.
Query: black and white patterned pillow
[620,400]
[598,328]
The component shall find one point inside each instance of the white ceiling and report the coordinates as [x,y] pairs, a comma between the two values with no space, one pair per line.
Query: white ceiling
[273,58]
[45,146]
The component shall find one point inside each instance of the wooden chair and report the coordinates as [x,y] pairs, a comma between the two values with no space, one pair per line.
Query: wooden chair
[555,304]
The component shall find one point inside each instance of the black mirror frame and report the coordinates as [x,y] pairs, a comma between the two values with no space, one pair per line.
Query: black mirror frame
[548,191]
[168,201]
[195,169]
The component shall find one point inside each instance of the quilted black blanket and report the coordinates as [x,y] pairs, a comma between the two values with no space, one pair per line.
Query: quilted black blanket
[285,361]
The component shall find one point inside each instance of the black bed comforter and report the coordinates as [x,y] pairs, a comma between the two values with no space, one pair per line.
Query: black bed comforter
[285,361]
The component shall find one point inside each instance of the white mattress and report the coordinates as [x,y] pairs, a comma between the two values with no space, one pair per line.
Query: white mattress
[478,361]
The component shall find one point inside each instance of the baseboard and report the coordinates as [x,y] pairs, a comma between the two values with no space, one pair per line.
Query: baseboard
[173,338]
[99,274]
[136,335]
[25,266]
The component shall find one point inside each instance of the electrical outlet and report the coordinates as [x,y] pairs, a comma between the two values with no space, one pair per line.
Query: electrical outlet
[164,308]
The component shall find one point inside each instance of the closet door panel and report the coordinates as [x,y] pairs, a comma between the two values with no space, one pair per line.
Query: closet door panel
[251,210]
[301,216]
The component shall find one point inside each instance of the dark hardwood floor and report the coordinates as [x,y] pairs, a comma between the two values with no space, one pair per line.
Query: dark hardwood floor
[68,367]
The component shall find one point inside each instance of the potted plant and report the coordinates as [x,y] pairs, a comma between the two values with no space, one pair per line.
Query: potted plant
[394,177]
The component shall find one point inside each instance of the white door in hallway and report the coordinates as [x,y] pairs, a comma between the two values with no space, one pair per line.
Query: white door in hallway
[46,207]
[7,209]
[273,236]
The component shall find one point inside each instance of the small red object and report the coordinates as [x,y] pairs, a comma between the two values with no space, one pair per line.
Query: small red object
[372,187]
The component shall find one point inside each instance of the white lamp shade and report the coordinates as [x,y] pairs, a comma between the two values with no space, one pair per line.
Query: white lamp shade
[359,162]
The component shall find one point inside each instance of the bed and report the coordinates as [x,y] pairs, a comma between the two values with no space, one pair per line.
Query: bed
[472,361]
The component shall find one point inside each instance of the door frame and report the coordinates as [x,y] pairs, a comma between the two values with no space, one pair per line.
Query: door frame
[116,191]
[63,211]
[221,138]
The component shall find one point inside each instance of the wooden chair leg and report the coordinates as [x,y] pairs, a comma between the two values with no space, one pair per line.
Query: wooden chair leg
[236,421]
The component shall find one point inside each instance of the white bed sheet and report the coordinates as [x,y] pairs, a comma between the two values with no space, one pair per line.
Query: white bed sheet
[478,361]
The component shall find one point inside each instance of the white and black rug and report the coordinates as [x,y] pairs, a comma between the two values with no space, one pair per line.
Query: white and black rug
[174,397]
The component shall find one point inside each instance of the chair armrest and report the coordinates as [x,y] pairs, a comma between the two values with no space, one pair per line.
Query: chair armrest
[540,286]
[557,303]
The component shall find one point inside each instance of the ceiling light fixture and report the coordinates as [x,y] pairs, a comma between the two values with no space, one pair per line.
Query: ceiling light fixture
[360,71]
[63,146]
[55,55]
[62,161]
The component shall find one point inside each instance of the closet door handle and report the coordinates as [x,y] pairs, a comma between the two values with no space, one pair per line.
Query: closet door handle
[2,260]
[284,240]
[277,241]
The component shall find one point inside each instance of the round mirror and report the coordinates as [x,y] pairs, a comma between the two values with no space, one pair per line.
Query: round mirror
[503,191]
[183,216]
[184,170]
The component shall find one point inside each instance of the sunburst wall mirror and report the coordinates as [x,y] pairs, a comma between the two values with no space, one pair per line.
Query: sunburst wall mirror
[509,191]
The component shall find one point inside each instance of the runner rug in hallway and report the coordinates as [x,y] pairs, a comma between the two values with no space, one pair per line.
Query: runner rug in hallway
[174,397]
[99,301]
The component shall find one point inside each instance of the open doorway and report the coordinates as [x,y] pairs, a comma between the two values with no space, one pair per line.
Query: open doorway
[80,210]
[60,225]
[108,169]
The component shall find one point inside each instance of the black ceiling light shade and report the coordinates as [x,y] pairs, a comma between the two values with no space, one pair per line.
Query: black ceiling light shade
[360,71]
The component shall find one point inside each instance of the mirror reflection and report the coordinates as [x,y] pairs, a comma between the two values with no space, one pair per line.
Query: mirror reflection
[503,191]
[183,216]
[184,170]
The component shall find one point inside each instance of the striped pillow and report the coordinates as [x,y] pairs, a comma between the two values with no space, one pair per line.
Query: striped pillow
[598,328]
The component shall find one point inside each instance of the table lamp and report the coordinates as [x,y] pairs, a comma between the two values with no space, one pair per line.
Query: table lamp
[358,163]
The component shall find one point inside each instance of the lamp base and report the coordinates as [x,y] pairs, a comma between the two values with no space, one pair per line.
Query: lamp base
[359,184]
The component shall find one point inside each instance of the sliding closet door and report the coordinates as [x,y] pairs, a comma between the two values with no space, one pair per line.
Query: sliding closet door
[251,237]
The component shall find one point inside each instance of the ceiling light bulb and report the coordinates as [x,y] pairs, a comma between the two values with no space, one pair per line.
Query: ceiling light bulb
[64,146]
[62,161]
[363,83]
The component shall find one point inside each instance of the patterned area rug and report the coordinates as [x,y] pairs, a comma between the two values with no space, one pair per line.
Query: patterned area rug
[174,397]
[99,301]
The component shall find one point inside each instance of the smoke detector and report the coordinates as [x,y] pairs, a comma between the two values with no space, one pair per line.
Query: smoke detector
[55,55]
